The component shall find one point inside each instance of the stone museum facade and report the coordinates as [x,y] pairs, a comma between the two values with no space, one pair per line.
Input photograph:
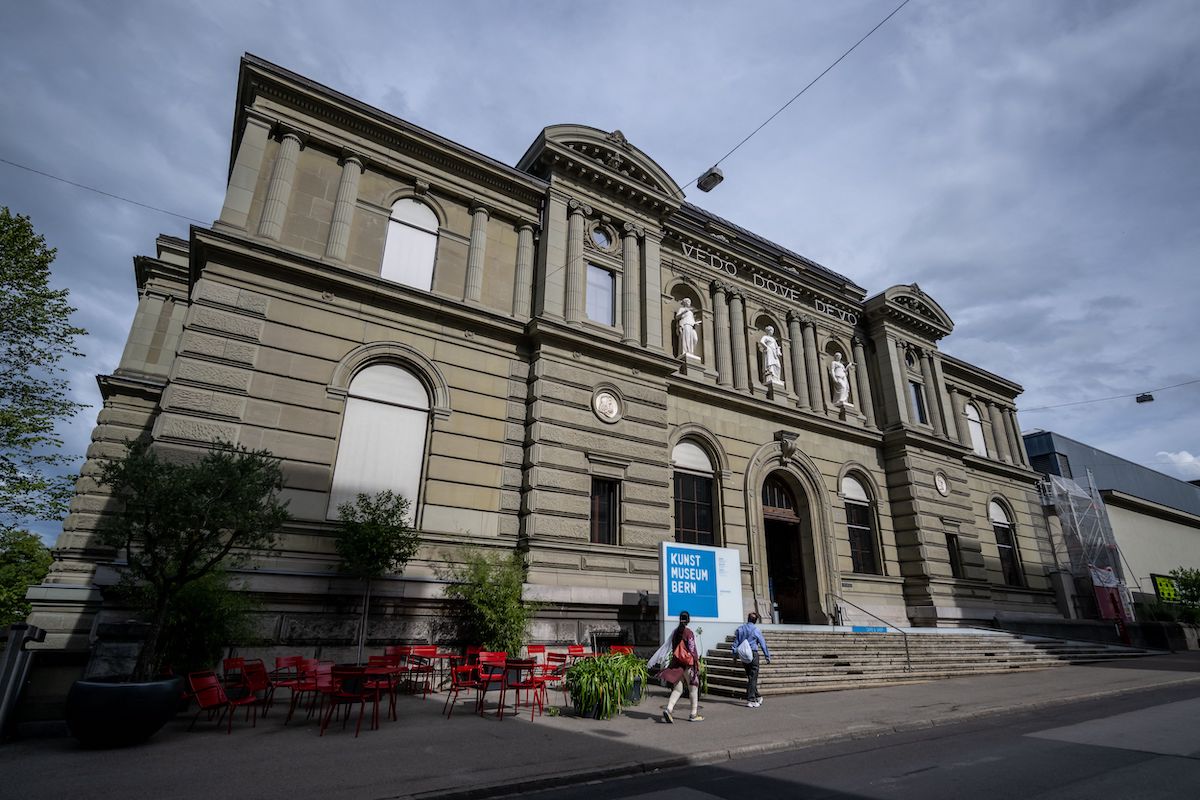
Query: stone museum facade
[562,357]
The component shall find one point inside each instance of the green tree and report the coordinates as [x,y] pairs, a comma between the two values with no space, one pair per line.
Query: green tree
[492,611]
[375,540]
[24,561]
[179,522]
[35,335]
[1187,580]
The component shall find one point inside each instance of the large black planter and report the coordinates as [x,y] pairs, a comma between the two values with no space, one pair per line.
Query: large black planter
[110,713]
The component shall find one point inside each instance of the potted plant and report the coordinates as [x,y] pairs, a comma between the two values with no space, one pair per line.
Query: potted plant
[601,686]
[177,522]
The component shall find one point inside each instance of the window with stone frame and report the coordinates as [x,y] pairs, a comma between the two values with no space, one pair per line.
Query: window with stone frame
[954,550]
[975,429]
[694,486]
[1006,545]
[864,545]
[606,507]
[916,392]
[411,245]
[601,295]
[382,441]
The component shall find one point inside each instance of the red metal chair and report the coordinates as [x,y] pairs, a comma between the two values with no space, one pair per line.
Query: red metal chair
[537,652]
[421,666]
[554,674]
[577,651]
[621,648]
[463,678]
[491,677]
[521,675]
[315,679]
[382,675]
[231,671]
[210,696]
[257,682]
[351,685]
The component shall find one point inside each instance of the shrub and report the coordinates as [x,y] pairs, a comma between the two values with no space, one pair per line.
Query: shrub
[492,611]
[602,685]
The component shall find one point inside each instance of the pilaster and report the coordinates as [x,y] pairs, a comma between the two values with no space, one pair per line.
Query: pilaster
[799,372]
[476,251]
[523,283]
[721,333]
[631,301]
[652,289]
[343,207]
[576,271]
[243,180]
[279,188]
[865,401]
[816,385]
[737,322]
[932,396]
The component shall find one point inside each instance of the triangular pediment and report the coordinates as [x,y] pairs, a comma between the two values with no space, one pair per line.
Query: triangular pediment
[583,148]
[912,308]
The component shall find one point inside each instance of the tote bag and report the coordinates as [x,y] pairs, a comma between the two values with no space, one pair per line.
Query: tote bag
[745,652]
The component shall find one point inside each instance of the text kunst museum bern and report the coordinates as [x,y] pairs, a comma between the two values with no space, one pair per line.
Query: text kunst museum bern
[761,281]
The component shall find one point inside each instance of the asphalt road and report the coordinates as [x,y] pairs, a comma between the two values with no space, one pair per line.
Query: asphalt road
[1145,745]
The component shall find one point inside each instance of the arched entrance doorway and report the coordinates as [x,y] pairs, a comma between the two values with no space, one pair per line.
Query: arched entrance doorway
[786,531]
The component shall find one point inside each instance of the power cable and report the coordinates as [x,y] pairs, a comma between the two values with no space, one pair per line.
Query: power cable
[1114,397]
[802,91]
[102,192]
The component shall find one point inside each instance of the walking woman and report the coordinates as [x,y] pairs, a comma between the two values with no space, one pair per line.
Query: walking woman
[684,668]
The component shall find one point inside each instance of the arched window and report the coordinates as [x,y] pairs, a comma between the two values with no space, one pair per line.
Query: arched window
[411,244]
[694,491]
[382,445]
[975,426]
[1010,563]
[864,553]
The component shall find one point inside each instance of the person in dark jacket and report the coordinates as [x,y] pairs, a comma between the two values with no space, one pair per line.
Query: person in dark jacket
[749,632]
[678,672]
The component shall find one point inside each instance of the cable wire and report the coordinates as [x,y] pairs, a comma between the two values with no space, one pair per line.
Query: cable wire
[802,91]
[101,192]
[1114,397]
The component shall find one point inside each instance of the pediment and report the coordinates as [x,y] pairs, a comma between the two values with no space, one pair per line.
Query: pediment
[609,153]
[911,307]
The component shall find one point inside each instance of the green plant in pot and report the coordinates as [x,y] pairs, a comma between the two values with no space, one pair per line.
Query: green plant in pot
[177,522]
[602,685]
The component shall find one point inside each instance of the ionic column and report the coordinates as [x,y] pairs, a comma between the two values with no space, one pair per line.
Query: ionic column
[720,334]
[816,386]
[959,416]
[576,272]
[799,373]
[475,253]
[943,395]
[998,433]
[737,323]
[652,281]
[934,410]
[631,283]
[343,208]
[1020,457]
[865,401]
[279,188]
[523,288]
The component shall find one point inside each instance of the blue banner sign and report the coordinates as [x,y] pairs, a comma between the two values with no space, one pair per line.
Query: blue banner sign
[691,581]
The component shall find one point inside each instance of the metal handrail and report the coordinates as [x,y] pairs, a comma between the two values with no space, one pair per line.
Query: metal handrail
[907,655]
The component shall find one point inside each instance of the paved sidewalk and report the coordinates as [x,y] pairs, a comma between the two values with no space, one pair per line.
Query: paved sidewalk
[423,755]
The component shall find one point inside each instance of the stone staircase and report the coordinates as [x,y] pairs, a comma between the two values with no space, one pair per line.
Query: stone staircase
[812,661]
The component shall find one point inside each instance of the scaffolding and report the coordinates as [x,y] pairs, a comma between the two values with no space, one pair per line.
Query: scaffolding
[1087,548]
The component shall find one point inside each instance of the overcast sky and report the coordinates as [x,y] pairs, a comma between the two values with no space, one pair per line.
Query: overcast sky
[1033,164]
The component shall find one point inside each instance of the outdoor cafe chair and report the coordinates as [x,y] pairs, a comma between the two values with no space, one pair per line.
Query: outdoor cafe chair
[553,673]
[621,648]
[577,651]
[210,696]
[520,675]
[537,652]
[257,682]
[421,665]
[383,672]
[491,677]
[463,678]
[231,671]
[351,685]
[315,679]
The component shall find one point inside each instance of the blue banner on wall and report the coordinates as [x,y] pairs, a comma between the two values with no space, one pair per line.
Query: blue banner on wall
[691,581]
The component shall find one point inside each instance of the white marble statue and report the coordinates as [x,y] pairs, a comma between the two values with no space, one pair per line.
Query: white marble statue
[770,356]
[685,318]
[841,381]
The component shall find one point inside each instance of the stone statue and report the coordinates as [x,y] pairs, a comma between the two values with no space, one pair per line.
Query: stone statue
[685,318]
[841,381]
[770,351]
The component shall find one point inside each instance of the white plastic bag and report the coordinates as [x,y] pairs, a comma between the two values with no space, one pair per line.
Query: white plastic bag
[744,651]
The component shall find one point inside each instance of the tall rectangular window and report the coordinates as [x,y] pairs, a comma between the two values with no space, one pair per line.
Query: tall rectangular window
[1008,555]
[956,565]
[862,539]
[605,510]
[694,509]
[918,400]
[600,295]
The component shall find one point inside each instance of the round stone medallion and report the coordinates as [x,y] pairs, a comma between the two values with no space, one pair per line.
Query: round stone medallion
[607,405]
[942,484]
